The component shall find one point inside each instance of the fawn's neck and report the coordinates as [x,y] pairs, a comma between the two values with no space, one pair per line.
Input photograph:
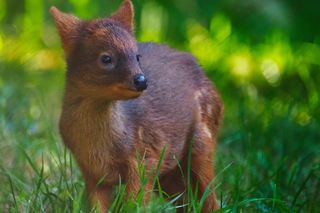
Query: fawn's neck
[92,120]
[95,131]
[86,100]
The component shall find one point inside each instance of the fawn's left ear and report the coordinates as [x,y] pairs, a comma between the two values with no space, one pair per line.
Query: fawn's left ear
[125,15]
[67,26]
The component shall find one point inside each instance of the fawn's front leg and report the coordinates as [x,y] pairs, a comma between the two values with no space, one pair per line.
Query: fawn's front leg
[134,185]
[100,195]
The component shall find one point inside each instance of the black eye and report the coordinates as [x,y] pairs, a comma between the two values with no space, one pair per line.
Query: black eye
[138,58]
[105,59]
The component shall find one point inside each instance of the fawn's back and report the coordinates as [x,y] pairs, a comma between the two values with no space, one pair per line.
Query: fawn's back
[167,113]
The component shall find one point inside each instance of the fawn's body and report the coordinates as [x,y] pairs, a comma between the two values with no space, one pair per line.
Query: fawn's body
[106,133]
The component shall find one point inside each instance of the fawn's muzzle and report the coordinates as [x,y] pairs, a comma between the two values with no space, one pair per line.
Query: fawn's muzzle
[140,82]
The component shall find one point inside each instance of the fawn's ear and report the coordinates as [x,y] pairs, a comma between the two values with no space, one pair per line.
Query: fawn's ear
[67,26]
[125,15]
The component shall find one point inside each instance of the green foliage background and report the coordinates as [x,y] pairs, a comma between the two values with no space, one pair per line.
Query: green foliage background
[264,57]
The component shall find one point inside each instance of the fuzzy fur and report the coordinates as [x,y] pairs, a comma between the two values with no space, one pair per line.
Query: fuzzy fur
[106,124]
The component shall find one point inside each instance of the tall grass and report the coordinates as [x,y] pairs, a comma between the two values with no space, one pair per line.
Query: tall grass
[266,161]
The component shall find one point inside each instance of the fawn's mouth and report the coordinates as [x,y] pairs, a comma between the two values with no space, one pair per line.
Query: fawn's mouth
[126,92]
[132,90]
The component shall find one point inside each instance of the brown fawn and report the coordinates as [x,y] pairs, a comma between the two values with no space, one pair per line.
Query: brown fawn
[125,99]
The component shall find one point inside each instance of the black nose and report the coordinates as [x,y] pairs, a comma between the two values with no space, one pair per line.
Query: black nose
[140,82]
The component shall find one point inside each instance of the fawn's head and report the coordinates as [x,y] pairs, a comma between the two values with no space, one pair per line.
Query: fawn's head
[102,55]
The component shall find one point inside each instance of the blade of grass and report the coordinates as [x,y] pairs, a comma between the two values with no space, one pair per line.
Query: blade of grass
[302,186]
[13,194]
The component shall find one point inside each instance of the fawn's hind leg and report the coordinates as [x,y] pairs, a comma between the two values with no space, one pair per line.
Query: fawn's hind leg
[207,121]
[202,173]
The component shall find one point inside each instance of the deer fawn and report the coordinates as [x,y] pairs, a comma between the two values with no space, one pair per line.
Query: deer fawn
[125,99]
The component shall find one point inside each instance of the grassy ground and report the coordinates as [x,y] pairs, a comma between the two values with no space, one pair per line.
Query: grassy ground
[267,159]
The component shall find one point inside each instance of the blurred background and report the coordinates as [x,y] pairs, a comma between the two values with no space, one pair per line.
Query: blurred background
[264,57]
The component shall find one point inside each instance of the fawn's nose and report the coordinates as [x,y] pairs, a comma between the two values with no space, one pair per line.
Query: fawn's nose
[140,82]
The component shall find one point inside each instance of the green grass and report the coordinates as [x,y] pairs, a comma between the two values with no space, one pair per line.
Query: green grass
[268,159]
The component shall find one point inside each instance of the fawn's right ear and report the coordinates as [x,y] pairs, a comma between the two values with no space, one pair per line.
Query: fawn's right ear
[67,26]
[125,15]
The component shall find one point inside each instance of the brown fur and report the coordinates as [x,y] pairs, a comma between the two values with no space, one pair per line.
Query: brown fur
[106,123]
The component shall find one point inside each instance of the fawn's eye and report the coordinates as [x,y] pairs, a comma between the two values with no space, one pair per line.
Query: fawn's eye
[105,59]
[138,58]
